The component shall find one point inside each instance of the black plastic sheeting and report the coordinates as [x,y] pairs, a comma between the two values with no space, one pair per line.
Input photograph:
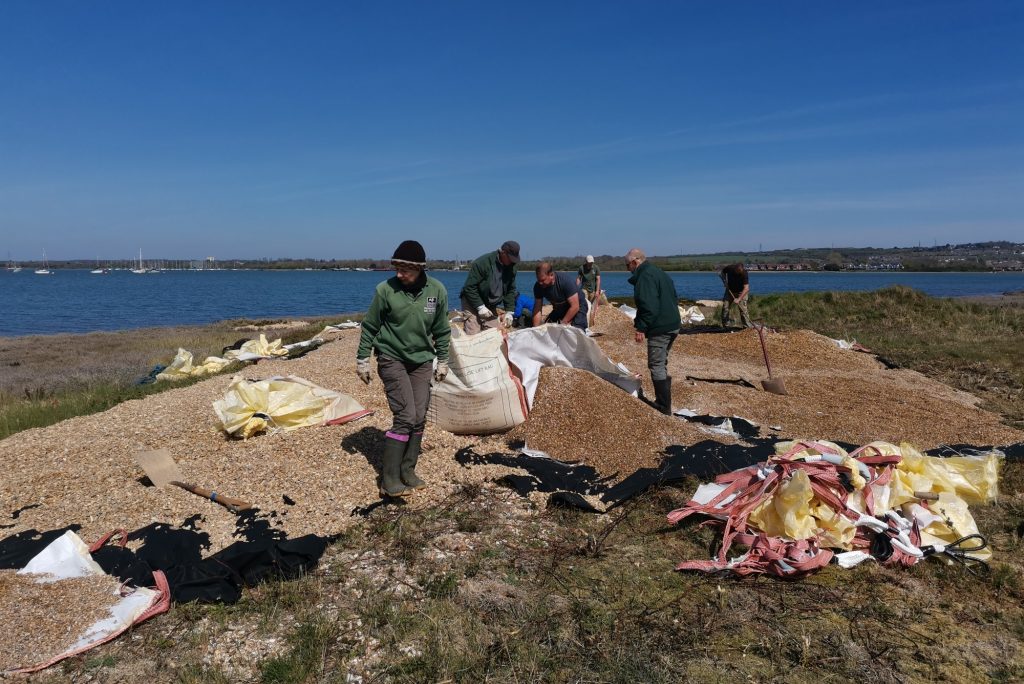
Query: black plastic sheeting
[1014,452]
[262,554]
[741,426]
[568,484]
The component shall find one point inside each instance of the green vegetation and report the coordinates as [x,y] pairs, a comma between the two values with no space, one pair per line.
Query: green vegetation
[62,376]
[39,409]
[982,256]
[562,595]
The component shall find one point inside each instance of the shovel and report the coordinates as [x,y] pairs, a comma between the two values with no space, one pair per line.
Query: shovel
[773,385]
[161,469]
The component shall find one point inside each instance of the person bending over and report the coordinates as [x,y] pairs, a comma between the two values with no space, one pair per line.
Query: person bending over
[568,305]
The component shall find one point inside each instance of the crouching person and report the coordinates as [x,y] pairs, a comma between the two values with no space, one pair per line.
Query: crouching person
[407,328]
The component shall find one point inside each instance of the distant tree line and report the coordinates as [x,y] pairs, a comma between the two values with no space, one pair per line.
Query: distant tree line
[963,257]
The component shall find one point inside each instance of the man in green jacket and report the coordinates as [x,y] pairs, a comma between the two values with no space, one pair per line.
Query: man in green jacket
[657,321]
[489,295]
[407,326]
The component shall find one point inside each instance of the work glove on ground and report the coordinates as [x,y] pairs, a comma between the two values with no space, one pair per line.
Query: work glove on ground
[441,372]
[484,313]
[363,370]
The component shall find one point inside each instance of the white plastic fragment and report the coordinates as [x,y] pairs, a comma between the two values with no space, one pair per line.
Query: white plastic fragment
[64,558]
[849,559]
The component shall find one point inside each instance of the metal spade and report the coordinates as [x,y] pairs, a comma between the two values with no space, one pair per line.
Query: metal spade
[772,384]
[161,469]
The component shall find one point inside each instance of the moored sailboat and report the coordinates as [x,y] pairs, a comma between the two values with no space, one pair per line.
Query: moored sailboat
[45,270]
[141,268]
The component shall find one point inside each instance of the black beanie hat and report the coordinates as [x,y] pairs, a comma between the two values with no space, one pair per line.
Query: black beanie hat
[411,252]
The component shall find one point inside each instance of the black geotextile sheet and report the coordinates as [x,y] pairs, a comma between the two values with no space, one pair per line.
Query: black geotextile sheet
[261,554]
[567,483]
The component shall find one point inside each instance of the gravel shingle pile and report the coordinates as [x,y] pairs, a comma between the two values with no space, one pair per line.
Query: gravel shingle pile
[578,417]
[833,393]
[83,470]
[41,620]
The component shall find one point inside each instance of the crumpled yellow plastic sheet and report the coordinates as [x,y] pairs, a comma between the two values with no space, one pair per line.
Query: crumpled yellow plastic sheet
[793,513]
[183,366]
[975,479]
[788,512]
[282,403]
[257,349]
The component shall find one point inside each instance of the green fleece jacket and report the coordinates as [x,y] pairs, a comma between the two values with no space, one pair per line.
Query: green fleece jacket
[657,305]
[409,324]
[491,284]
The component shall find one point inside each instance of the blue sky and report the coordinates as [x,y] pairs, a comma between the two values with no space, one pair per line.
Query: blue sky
[338,129]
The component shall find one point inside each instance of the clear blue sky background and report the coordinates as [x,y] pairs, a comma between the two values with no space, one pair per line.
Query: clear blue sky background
[337,129]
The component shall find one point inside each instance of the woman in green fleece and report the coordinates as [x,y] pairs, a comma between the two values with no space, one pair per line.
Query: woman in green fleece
[407,326]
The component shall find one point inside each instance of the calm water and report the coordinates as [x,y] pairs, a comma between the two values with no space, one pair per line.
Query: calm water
[78,301]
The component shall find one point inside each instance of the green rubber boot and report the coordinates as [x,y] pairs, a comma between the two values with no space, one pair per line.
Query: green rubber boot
[390,469]
[409,460]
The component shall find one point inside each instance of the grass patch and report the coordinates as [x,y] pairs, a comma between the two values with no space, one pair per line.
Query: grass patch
[567,611]
[47,379]
[309,644]
[41,409]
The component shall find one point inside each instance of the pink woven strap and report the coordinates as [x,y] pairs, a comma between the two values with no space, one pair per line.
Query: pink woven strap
[98,544]
[769,555]
[163,603]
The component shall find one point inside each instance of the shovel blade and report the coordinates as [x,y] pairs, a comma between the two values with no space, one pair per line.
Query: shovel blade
[775,386]
[159,466]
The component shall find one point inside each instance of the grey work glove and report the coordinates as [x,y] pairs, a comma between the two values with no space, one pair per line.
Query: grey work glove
[506,320]
[363,370]
[484,313]
[441,371]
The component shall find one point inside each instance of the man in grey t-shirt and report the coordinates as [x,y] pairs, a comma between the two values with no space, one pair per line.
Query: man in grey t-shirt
[569,306]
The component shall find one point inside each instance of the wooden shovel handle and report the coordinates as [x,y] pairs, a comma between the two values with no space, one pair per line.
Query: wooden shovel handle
[233,505]
[764,350]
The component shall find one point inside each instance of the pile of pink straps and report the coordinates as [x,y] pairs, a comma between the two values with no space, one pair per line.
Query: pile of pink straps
[748,488]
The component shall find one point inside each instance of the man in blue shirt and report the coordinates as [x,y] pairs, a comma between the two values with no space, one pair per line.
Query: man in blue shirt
[522,317]
[569,307]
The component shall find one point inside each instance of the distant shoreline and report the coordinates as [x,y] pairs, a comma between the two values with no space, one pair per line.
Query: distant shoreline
[28,270]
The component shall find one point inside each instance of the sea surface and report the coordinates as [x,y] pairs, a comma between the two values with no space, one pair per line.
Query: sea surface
[74,301]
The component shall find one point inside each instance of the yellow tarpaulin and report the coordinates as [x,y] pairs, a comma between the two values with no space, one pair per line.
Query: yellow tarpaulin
[183,366]
[794,513]
[257,349]
[283,403]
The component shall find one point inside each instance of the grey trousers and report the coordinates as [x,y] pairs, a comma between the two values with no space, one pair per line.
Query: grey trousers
[727,301]
[474,324]
[407,386]
[658,347]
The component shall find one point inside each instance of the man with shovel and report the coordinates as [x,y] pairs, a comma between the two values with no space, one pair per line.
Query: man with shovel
[657,321]
[737,289]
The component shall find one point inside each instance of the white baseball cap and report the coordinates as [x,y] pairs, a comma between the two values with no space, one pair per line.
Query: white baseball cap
[590,258]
